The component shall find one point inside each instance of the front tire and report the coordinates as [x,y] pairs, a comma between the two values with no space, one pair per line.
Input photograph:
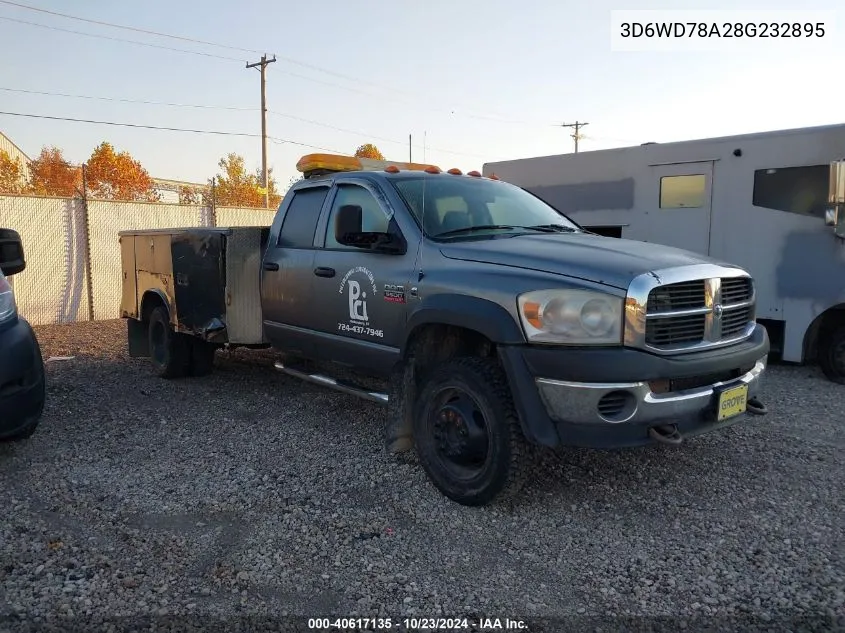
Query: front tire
[832,355]
[169,350]
[467,435]
[25,431]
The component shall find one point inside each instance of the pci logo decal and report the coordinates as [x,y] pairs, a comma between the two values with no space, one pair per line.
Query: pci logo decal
[357,284]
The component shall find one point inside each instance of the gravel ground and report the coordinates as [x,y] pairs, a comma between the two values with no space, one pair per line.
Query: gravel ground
[248,493]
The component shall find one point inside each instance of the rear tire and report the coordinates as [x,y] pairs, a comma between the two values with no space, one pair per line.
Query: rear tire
[831,354]
[467,435]
[169,350]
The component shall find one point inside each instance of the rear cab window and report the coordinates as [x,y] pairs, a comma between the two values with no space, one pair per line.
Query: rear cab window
[300,223]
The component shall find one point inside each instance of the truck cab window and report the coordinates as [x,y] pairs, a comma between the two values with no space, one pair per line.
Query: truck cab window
[300,221]
[373,217]
[802,190]
[446,203]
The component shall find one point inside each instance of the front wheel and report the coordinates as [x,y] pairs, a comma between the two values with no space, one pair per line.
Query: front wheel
[27,429]
[832,355]
[467,435]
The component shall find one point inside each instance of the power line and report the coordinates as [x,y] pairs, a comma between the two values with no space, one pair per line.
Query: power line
[372,137]
[164,128]
[116,99]
[120,39]
[612,140]
[293,117]
[498,118]
[127,28]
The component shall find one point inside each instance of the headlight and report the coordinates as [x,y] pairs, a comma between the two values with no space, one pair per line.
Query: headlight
[7,300]
[574,317]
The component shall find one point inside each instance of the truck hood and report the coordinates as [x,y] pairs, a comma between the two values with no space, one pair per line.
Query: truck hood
[606,260]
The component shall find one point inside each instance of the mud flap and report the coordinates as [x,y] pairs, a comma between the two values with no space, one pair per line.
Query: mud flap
[400,408]
[139,344]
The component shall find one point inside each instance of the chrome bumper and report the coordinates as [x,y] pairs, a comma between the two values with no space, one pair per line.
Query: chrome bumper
[579,403]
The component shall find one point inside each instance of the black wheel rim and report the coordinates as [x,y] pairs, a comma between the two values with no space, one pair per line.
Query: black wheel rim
[460,435]
[157,342]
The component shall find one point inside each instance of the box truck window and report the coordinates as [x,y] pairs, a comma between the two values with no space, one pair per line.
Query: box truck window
[683,192]
[802,190]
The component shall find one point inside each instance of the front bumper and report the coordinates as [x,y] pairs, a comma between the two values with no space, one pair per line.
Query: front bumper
[574,406]
[635,402]
[22,383]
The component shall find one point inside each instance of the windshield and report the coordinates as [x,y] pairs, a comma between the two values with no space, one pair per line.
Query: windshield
[459,207]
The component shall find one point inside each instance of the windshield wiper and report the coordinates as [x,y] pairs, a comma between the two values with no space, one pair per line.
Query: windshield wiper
[482,227]
[543,228]
[553,228]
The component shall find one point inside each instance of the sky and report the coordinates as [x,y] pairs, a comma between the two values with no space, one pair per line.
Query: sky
[470,81]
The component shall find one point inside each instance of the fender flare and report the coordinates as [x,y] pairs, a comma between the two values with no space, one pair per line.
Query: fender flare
[158,293]
[500,327]
[473,313]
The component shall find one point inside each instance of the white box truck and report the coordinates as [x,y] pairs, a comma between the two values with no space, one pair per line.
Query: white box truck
[772,202]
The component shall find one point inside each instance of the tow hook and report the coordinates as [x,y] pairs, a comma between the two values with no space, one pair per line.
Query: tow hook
[755,407]
[666,434]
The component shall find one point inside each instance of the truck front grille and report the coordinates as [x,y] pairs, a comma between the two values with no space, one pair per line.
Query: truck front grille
[690,314]
[669,330]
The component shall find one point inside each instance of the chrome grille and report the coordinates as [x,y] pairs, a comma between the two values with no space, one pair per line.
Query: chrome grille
[736,290]
[672,312]
[734,321]
[675,330]
[688,294]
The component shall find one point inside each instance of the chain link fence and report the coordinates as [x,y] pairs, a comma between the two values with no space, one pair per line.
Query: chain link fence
[72,251]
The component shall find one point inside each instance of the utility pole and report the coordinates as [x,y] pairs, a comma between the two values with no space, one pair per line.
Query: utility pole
[410,150]
[262,65]
[576,135]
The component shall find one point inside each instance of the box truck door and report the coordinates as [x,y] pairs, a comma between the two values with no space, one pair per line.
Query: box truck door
[678,205]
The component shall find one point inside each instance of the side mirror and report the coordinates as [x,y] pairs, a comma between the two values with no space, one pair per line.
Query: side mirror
[12,259]
[348,231]
[830,216]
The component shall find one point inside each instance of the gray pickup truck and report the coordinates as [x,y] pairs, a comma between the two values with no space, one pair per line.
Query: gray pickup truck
[497,323]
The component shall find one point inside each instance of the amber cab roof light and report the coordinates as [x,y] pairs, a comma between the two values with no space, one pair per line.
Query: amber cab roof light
[319,164]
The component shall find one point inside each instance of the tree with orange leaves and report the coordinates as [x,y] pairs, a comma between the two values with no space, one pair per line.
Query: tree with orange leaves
[52,175]
[192,195]
[236,187]
[114,175]
[11,174]
[368,150]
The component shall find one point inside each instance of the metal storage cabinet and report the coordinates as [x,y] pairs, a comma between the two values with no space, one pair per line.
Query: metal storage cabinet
[209,279]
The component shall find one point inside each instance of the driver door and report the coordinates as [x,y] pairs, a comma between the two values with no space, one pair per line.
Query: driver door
[360,296]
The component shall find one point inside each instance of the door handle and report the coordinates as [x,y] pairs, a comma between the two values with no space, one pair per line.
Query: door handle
[323,271]
[271,266]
